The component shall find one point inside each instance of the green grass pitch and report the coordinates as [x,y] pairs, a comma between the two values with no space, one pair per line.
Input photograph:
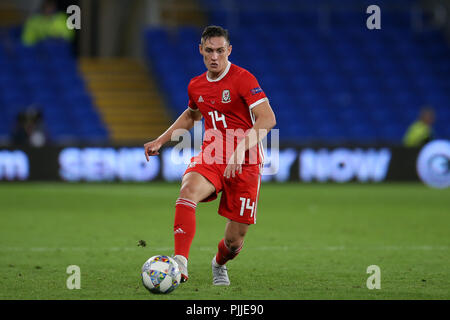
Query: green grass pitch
[311,241]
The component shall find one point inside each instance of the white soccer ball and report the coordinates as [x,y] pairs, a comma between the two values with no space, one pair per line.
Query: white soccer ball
[160,274]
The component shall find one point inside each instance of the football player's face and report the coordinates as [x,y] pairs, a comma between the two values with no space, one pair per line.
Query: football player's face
[215,52]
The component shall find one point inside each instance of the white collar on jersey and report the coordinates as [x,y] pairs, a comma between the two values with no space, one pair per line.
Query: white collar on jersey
[224,73]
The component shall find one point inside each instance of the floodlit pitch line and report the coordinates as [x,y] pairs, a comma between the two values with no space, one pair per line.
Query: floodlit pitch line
[262,248]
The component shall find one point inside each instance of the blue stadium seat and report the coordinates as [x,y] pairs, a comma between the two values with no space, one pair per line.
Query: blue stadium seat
[45,76]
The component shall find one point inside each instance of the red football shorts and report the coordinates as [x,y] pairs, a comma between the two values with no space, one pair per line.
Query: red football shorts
[239,194]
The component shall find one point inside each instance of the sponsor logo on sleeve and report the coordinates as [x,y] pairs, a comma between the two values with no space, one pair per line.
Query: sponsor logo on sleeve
[256,90]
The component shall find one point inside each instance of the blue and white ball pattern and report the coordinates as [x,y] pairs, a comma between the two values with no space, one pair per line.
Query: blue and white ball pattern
[160,274]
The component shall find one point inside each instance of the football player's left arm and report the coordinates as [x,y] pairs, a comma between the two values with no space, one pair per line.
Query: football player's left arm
[264,121]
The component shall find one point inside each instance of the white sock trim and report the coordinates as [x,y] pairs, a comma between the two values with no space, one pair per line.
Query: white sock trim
[186,203]
[215,264]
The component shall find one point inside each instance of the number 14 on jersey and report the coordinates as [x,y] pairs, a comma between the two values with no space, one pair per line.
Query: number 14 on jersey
[246,205]
[215,117]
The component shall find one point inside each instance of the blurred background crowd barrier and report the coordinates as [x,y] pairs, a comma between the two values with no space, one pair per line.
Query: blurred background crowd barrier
[338,89]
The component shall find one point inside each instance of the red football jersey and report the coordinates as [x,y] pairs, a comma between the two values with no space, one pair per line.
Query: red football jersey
[226,105]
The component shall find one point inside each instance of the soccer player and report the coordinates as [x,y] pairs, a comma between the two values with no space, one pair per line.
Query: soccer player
[237,117]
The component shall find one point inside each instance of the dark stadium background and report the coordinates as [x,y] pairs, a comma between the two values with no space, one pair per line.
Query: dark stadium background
[344,96]
[332,82]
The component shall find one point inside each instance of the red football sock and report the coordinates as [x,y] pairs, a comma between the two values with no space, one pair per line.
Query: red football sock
[224,253]
[184,226]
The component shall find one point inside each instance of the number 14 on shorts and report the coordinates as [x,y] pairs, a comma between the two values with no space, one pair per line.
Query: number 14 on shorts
[246,205]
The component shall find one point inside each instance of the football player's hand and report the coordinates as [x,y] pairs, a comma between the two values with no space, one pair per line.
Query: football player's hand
[231,169]
[234,165]
[152,149]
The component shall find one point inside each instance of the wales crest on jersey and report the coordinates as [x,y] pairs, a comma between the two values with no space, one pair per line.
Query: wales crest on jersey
[226,96]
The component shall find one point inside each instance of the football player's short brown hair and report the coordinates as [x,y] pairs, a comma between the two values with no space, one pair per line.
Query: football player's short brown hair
[215,31]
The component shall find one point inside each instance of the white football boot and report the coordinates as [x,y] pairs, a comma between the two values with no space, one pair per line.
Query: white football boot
[220,274]
[182,265]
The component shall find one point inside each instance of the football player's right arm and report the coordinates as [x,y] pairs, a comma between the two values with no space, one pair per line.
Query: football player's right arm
[185,121]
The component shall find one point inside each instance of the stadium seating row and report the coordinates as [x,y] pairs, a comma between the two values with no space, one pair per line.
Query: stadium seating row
[46,77]
[339,84]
